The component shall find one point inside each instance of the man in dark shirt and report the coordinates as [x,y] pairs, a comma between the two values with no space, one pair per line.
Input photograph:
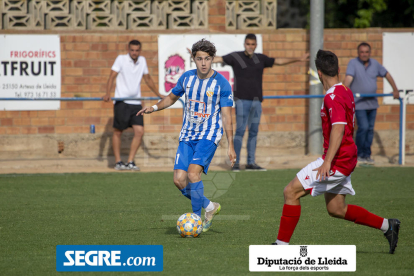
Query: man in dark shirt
[248,93]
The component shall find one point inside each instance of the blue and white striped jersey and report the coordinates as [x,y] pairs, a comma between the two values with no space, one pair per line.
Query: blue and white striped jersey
[204,99]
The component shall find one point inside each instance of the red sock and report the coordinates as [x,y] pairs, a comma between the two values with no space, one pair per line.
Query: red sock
[360,215]
[288,221]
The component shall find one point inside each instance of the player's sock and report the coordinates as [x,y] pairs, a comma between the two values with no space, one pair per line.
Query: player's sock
[186,192]
[197,193]
[361,216]
[210,206]
[288,222]
[385,226]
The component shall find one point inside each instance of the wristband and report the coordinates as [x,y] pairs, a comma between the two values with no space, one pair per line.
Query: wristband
[155,107]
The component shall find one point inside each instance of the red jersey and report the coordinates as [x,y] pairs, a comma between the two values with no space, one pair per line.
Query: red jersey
[338,107]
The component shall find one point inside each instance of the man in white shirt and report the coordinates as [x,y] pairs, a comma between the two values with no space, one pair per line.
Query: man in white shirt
[128,70]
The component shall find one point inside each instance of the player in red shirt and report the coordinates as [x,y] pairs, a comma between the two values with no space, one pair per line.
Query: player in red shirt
[331,174]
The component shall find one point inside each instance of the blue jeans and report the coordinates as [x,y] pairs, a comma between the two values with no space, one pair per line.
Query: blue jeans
[365,133]
[248,115]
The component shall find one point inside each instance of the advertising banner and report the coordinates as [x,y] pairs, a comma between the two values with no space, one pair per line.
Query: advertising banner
[398,59]
[174,58]
[30,68]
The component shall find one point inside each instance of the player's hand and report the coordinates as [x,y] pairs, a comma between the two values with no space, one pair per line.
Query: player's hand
[232,156]
[145,110]
[106,98]
[305,57]
[396,94]
[323,171]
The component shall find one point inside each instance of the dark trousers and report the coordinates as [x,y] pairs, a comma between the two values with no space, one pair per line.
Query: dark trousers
[248,115]
[365,133]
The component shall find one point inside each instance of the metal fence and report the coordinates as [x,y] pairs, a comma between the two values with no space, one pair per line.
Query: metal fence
[403,102]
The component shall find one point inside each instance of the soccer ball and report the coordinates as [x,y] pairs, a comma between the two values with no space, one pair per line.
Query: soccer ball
[189,225]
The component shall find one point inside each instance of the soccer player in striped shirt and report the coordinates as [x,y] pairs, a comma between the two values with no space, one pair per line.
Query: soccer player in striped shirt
[208,104]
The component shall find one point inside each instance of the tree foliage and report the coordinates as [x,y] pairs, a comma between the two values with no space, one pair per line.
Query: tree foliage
[365,13]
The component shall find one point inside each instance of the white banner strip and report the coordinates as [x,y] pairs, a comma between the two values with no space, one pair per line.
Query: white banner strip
[304,258]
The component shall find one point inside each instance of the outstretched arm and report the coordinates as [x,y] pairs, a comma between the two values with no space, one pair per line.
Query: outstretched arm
[286,61]
[164,103]
[228,128]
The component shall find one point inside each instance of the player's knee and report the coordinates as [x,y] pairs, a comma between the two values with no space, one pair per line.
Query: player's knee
[289,192]
[336,213]
[180,183]
[194,177]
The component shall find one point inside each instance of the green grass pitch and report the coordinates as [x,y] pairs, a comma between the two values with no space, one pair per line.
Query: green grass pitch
[38,212]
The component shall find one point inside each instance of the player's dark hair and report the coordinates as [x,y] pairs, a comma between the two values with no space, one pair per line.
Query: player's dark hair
[327,63]
[135,43]
[251,36]
[364,44]
[204,45]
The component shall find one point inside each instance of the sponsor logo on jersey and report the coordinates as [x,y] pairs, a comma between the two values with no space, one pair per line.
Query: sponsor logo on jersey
[307,177]
[332,96]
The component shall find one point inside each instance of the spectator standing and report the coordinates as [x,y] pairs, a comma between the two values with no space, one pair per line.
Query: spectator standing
[248,69]
[128,70]
[361,77]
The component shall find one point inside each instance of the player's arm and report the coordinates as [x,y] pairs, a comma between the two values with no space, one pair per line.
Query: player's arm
[151,84]
[390,79]
[286,61]
[218,59]
[228,128]
[348,80]
[335,140]
[109,85]
[163,104]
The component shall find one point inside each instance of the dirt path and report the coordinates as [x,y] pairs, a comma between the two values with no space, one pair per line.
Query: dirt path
[162,164]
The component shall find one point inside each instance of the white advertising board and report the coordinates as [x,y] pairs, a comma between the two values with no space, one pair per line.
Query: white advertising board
[398,59]
[174,59]
[30,68]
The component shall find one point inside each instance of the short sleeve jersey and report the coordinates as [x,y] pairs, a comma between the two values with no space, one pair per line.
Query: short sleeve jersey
[365,81]
[339,108]
[204,99]
[248,74]
[128,81]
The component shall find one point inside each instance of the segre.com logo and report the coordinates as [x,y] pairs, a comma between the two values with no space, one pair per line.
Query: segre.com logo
[109,258]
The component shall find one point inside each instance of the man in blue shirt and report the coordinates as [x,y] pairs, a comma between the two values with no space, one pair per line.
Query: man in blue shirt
[361,77]
[208,104]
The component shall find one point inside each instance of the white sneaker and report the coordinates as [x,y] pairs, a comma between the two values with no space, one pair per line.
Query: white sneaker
[120,166]
[131,166]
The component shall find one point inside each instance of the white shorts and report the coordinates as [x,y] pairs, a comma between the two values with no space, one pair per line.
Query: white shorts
[337,183]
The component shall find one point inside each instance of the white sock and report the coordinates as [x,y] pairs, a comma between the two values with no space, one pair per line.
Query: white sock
[281,242]
[210,207]
[385,225]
